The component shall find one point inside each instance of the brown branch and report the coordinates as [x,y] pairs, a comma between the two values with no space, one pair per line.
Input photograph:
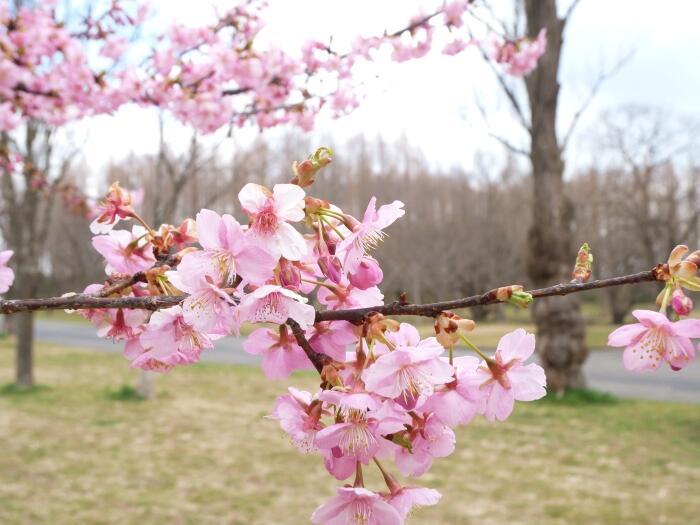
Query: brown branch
[357,315]
[317,359]
[434,309]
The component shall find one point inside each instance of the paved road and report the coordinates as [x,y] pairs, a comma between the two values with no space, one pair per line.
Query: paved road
[603,369]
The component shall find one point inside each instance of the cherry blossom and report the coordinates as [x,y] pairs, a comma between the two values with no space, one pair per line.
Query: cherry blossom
[281,355]
[125,251]
[274,304]
[170,340]
[429,439]
[356,505]
[506,378]
[405,499]
[270,214]
[226,253]
[299,416]
[368,233]
[655,339]
[411,371]
[117,205]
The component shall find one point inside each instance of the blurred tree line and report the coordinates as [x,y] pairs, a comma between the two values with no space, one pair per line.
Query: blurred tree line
[464,232]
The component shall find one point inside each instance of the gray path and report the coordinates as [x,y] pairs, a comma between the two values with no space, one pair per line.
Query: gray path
[603,369]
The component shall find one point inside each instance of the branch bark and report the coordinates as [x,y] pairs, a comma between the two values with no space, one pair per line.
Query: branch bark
[357,315]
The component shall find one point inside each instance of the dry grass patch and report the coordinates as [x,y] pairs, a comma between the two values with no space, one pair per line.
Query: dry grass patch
[82,450]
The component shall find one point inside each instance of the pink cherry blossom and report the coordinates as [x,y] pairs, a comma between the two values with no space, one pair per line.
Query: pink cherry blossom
[332,338]
[520,57]
[406,499]
[430,439]
[281,355]
[227,252]
[411,371]
[368,274]
[170,340]
[457,402]
[368,233]
[356,506]
[121,324]
[270,214]
[505,378]
[360,435]
[7,276]
[125,252]
[655,339]
[274,304]
[118,204]
[345,295]
[298,416]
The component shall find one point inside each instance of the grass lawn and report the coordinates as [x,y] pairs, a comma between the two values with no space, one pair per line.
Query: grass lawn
[81,451]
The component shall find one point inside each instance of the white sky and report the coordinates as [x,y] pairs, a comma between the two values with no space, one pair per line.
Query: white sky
[433,101]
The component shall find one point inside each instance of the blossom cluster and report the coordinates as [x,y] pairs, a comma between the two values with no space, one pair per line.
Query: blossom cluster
[208,76]
[387,393]
[656,339]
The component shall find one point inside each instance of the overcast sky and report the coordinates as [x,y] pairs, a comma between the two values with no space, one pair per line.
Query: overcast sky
[434,101]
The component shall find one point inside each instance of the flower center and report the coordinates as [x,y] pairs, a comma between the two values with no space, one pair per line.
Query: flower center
[357,439]
[360,512]
[266,220]
[270,309]
[413,382]
[652,344]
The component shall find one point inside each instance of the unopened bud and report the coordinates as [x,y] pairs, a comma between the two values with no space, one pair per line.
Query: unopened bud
[368,274]
[305,171]
[331,267]
[681,303]
[448,326]
[290,275]
[584,265]
[514,294]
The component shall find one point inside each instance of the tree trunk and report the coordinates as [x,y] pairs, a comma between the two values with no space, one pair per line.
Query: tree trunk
[24,376]
[551,254]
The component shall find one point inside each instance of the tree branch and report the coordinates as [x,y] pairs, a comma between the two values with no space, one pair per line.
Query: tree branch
[356,315]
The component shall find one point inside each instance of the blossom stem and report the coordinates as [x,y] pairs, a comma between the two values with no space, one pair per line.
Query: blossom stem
[318,283]
[664,301]
[143,223]
[359,481]
[471,345]
[337,232]
[391,483]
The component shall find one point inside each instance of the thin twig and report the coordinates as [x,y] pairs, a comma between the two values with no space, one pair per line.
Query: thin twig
[357,315]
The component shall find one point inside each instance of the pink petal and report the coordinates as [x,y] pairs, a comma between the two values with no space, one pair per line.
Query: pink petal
[528,382]
[687,327]
[517,344]
[291,242]
[624,335]
[499,403]
[255,265]
[208,224]
[638,357]
[649,318]
[252,197]
[388,214]
[289,201]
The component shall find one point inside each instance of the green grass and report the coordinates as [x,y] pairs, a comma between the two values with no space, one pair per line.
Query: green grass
[81,450]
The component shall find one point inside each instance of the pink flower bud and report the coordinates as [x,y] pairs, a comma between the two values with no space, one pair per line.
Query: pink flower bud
[331,268]
[368,274]
[290,276]
[681,303]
